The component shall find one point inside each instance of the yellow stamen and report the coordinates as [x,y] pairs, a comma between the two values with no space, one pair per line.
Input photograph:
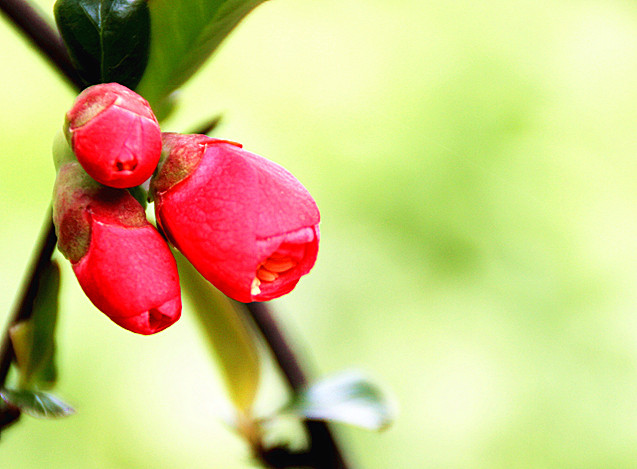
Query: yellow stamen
[265,275]
[279,265]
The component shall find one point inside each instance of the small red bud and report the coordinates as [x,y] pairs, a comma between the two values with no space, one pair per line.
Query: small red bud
[121,262]
[244,222]
[114,134]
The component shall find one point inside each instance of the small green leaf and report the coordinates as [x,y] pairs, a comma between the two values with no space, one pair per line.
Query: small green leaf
[108,40]
[36,403]
[349,397]
[183,35]
[33,340]
[227,333]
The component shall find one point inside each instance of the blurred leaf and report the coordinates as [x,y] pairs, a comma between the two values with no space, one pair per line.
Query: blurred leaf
[183,35]
[36,403]
[108,40]
[227,335]
[348,397]
[33,340]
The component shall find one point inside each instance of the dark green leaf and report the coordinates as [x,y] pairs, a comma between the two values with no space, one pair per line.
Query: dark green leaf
[227,333]
[36,403]
[184,34]
[349,397]
[108,40]
[34,340]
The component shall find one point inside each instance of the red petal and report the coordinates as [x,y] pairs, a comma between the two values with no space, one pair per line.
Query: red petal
[115,135]
[233,212]
[130,275]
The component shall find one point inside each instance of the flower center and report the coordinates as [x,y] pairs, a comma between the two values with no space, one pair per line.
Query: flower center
[126,165]
[270,270]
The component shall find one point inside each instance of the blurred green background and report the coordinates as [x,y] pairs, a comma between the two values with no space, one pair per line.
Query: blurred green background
[475,164]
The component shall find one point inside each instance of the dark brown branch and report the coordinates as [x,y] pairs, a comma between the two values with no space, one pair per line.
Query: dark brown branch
[323,452]
[24,307]
[285,357]
[46,39]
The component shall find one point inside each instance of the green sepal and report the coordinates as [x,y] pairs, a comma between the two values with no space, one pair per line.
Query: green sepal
[108,40]
[36,403]
[33,340]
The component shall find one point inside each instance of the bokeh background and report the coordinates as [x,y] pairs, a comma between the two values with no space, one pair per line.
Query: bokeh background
[476,167]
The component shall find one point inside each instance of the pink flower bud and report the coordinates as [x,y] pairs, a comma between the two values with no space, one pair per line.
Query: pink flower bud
[244,222]
[121,262]
[114,134]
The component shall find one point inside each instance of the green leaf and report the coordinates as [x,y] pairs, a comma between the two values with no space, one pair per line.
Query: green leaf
[349,397]
[227,333]
[183,35]
[108,40]
[33,340]
[36,403]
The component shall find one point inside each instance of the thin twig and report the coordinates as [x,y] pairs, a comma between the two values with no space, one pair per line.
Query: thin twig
[324,452]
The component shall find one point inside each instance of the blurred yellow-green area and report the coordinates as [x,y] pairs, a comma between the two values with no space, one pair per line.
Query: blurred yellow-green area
[475,163]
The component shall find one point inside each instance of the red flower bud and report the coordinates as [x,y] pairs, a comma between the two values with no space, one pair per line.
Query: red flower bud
[114,134]
[121,262]
[244,222]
